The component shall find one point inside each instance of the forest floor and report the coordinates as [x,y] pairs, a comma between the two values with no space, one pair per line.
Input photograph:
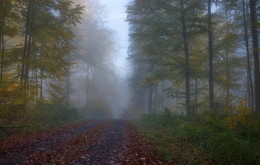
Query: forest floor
[93,142]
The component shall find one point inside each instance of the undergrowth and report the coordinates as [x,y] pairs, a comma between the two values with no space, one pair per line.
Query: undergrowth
[204,138]
[41,116]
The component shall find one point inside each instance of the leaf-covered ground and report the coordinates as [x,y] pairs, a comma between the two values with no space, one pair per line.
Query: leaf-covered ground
[96,142]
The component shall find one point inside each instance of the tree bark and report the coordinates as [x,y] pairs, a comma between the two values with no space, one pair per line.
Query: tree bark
[88,86]
[2,48]
[210,52]
[150,100]
[196,96]
[41,84]
[155,97]
[249,72]
[2,41]
[31,43]
[254,31]
[25,51]
[187,65]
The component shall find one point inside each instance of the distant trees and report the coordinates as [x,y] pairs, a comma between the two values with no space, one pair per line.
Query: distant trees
[189,46]
[93,80]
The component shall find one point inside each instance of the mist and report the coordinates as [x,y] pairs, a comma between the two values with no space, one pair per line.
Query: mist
[129,82]
[97,82]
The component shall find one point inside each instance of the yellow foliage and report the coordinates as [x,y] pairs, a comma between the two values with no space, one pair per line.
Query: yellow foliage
[11,87]
[240,117]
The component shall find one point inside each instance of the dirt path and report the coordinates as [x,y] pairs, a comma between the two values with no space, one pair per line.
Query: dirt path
[94,143]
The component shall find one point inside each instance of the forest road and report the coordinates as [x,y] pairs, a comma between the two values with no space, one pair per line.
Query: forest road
[110,142]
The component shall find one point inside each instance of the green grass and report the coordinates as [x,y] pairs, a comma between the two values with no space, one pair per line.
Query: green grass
[202,140]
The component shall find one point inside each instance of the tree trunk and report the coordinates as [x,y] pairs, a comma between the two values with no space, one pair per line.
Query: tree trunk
[2,48]
[30,44]
[41,73]
[27,66]
[150,100]
[249,72]
[143,101]
[41,84]
[253,18]
[187,65]
[210,52]
[196,96]
[25,51]
[227,78]
[87,86]
[2,41]
[68,90]
[155,97]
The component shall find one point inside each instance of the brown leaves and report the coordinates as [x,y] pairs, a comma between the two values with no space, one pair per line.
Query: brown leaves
[138,150]
[102,142]
[69,151]
[20,148]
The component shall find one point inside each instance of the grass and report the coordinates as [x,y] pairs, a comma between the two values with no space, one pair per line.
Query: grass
[32,127]
[201,140]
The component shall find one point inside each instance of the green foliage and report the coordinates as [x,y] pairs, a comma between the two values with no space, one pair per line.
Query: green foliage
[201,139]
[43,114]
[157,50]
[233,148]
[35,41]
[53,111]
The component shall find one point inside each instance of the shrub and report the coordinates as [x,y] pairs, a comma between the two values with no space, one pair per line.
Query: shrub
[231,147]
[51,111]
[242,120]
[215,135]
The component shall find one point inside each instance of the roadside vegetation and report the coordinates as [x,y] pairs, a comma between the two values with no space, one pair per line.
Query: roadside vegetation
[229,137]
[42,116]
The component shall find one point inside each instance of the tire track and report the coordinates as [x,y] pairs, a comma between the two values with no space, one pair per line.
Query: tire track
[108,149]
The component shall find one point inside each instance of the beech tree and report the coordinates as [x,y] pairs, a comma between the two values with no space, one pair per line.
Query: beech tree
[175,41]
[36,38]
[255,46]
[164,30]
[210,50]
[8,29]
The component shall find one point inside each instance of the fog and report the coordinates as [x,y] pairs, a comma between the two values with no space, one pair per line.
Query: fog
[97,81]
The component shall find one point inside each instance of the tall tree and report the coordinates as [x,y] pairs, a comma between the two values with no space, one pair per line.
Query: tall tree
[250,86]
[254,31]
[210,52]
[164,31]
[9,20]
[187,56]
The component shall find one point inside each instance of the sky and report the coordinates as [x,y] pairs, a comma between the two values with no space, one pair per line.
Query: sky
[115,18]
